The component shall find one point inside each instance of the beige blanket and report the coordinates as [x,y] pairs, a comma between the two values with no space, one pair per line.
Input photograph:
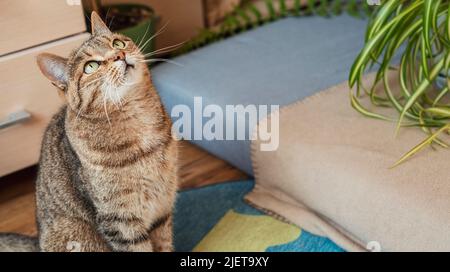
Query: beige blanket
[330,175]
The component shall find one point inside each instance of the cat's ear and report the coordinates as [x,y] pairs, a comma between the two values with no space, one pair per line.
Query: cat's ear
[97,25]
[54,68]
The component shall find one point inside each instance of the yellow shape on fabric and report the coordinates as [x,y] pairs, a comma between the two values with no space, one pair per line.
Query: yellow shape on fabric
[242,232]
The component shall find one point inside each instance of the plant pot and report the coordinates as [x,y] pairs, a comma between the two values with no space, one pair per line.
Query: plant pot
[134,21]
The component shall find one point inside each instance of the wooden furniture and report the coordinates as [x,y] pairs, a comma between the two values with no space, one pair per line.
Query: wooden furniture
[27,98]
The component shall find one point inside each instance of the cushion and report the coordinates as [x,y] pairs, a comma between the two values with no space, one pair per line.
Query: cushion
[215,218]
[275,64]
[334,177]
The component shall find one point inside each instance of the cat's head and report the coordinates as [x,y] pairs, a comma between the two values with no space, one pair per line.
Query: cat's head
[102,72]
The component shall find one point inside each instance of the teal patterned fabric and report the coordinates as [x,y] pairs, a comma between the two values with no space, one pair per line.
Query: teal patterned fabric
[199,212]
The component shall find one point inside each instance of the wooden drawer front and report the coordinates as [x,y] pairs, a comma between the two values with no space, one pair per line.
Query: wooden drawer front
[23,87]
[26,23]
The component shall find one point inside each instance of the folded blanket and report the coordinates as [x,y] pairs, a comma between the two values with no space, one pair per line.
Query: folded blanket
[275,64]
[331,175]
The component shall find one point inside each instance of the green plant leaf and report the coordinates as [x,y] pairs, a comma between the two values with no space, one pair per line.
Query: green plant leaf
[322,10]
[420,90]
[271,9]
[256,13]
[283,8]
[427,23]
[297,7]
[421,145]
[311,6]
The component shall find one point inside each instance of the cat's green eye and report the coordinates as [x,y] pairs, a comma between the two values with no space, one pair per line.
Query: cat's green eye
[118,44]
[91,67]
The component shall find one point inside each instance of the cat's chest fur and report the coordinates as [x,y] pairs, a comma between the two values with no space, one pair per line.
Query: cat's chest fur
[128,164]
[137,190]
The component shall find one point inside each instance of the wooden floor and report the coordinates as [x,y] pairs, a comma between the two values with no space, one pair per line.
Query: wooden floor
[17,205]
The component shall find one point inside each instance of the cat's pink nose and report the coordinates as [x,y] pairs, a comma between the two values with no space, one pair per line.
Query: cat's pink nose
[119,56]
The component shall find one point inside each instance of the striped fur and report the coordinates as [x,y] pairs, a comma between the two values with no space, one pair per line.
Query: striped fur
[10,242]
[107,176]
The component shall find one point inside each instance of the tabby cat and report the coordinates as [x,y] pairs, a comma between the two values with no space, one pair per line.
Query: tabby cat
[107,176]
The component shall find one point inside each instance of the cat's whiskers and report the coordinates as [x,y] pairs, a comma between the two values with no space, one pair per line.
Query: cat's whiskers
[92,82]
[106,112]
[108,91]
[106,18]
[110,23]
[120,82]
[87,85]
[109,88]
[78,114]
[106,109]
[161,60]
[159,32]
[119,99]
[164,50]
[145,35]
[140,59]
[136,57]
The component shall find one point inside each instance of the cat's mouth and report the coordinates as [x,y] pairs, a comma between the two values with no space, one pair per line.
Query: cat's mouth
[128,66]
[123,72]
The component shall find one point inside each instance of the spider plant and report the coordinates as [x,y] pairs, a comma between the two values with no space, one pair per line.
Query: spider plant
[412,39]
[256,13]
